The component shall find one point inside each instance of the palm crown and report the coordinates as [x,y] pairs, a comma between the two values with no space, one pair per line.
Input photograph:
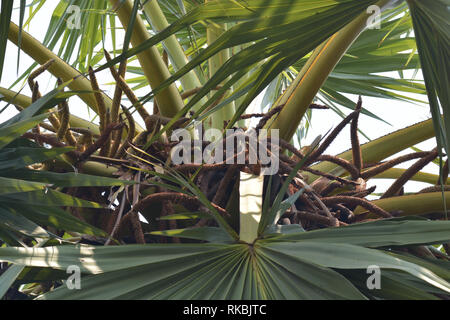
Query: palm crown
[76,191]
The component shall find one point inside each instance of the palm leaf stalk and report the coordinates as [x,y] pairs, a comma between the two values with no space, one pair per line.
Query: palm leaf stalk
[176,53]
[59,68]
[153,66]
[311,78]
[213,32]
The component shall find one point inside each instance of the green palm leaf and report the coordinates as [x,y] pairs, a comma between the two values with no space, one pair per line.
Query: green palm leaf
[5,17]
[431,27]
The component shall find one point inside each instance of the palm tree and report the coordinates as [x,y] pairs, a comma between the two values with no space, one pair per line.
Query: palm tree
[76,193]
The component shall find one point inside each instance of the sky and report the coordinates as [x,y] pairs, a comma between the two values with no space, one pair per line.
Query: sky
[398,114]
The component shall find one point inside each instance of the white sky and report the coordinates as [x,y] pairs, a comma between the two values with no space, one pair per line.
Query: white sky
[399,114]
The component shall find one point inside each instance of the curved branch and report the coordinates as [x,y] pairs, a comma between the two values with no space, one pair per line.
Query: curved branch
[358,202]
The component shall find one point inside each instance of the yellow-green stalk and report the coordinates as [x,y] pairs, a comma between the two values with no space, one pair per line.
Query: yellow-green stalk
[24,101]
[395,173]
[314,74]
[381,148]
[176,54]
[152,64]
[213,32]
[417,204]
[59,68]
